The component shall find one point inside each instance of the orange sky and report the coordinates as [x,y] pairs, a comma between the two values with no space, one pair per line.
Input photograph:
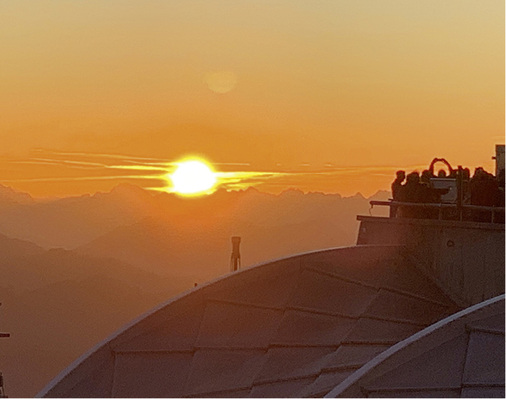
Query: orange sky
[355,89]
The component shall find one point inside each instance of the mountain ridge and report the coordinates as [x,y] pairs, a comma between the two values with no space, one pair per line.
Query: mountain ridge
[74,221]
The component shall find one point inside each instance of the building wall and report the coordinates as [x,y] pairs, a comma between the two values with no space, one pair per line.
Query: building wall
[499,158]
[465,259]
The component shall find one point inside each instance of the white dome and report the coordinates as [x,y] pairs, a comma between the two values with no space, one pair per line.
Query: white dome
[292,327]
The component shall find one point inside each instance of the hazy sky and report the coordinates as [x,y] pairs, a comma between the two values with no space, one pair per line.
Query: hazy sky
[355,89]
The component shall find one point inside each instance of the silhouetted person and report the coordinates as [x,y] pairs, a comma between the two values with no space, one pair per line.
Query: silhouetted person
[413,185]
[413,193]
[446,213]
[435,160]
[428,195]
[425,177]
[431,166]
[476,186]
[466,192]
[397,191]
[484,188]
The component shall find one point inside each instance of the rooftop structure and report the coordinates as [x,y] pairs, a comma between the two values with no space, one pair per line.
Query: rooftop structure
[457,356]
[296,326]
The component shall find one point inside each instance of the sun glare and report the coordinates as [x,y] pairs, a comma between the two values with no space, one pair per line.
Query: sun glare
[193,177]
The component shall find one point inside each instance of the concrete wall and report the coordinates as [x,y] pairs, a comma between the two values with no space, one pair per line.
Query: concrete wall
[465,259]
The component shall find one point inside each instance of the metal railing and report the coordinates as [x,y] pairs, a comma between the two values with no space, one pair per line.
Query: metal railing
[463,215]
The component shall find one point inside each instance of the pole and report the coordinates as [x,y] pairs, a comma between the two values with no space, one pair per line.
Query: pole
[235,258]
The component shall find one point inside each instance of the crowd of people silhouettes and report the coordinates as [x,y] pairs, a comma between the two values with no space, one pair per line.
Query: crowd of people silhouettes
[482,189]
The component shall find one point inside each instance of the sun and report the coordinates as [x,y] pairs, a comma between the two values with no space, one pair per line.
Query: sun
[193,177]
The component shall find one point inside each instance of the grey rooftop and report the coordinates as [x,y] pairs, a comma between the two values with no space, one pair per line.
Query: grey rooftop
[297,326]
[460,356]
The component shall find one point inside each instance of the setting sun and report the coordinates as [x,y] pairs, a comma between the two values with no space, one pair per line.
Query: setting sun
[193,177]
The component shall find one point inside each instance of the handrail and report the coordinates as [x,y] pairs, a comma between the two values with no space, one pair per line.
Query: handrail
[440,206]
[414,204]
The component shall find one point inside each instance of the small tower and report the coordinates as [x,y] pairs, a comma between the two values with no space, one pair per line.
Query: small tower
[235,258]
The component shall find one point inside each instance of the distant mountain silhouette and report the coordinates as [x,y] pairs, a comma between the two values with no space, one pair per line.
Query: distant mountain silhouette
[57,304]
[195,241]
[10,196]
[75,221]
[381,195]
[11,248]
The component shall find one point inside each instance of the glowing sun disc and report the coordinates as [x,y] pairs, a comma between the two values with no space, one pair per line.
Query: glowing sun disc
[192,177]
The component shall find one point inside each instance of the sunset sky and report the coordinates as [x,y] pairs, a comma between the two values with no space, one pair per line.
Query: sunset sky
[329,96]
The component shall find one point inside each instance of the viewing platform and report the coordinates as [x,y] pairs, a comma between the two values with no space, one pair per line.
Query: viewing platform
[449,211]
[464,257]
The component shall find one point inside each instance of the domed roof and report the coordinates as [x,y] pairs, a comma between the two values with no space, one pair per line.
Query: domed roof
[295,326]
[460,356]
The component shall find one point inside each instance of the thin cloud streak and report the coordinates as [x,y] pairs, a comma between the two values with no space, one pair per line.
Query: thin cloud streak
[90,165]
[96,155]
[150,169]
[78,178]
[130,158]
[71,164]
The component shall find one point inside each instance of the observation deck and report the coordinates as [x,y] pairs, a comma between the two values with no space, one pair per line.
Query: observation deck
[464,257]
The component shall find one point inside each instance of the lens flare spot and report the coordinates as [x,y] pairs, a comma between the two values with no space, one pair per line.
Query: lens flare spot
[221,82]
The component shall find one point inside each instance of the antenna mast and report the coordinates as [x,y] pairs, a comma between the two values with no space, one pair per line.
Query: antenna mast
[235,258]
